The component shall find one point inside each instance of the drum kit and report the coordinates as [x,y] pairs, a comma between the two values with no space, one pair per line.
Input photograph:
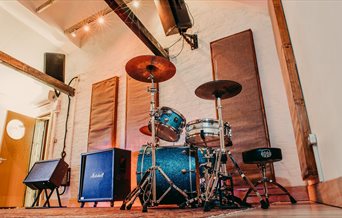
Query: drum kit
[194,174]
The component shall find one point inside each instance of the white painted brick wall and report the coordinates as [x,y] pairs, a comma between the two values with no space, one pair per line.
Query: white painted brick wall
[214,20]
[105,54]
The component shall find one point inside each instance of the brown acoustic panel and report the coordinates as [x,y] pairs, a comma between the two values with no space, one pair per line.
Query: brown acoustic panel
[234,58]
[103,113]
[137,113]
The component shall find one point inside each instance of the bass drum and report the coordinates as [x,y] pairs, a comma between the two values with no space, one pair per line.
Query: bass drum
[209,130]
[179,164]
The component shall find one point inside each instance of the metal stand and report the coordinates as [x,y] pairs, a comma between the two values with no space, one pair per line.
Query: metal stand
[149,178]
[220,168]
[47,201]
[264,180]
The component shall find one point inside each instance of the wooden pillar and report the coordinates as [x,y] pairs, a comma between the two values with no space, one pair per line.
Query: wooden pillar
[293,87]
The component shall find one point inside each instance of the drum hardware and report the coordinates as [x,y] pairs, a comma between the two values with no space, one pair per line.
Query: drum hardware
[150,69]
[218,90]
[180,167]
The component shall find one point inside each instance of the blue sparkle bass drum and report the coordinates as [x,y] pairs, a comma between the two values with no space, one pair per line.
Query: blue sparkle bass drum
[179,164]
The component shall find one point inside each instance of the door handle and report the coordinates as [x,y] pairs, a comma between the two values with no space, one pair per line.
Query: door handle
[2,159]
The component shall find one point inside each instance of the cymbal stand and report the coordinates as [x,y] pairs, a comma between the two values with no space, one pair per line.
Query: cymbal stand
[221,168]
[148,180]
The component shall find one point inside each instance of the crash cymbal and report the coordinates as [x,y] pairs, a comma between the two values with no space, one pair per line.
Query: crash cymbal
[144,130]
[141,68]
[218,88]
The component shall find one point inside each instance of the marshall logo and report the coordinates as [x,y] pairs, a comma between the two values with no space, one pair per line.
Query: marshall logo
[266,153]
[97,175]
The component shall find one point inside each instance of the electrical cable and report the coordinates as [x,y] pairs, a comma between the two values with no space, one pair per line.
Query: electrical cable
[63,153]
[63,190]
[174,43]
[174,56]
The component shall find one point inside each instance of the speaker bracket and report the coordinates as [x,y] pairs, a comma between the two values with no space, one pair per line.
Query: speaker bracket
[191,39]
[47,199]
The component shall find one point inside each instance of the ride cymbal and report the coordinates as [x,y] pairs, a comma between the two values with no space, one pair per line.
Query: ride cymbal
[142,67]
[218,88]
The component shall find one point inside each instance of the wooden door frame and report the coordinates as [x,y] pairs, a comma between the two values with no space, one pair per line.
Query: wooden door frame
[295,98]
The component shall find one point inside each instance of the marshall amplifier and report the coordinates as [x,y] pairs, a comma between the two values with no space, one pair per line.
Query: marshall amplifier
[105,176]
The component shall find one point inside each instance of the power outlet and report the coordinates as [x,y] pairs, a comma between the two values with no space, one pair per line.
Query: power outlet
[312,138]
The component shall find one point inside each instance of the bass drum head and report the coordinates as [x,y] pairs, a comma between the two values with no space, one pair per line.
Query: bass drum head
[166,133]
[179,164]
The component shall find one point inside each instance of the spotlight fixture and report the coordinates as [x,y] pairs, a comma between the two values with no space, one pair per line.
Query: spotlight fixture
[86,28]
[136,3]
[87,23]
[100,20]
[73,34]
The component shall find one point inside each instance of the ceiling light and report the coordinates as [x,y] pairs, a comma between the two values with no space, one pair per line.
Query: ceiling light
[135,3]
[86,28]
[100,20]
[73,34]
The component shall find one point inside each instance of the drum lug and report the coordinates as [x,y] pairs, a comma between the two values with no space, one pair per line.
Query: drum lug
[166,119]
[169,112]
[184,171]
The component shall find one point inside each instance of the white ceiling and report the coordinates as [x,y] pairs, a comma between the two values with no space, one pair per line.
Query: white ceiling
[56,18]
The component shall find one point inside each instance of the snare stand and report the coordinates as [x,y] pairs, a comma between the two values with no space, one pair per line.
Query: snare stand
[220,168]
[148,180]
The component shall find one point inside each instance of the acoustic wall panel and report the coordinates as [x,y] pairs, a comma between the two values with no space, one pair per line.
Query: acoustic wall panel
[137,113]
[103,114]
[234,58]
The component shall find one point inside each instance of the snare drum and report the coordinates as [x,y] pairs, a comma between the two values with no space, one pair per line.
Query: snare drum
[209,129]
[179,164]
[169,124]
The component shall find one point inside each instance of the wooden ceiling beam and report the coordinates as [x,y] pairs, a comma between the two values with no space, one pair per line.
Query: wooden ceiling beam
[44,6]
[132,21]
[35,74]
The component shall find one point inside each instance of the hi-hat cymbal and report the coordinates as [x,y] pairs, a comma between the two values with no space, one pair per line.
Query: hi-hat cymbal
[142,67]
[218,88]
[144,130]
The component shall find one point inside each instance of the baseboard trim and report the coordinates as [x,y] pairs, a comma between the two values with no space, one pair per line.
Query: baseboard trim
[328,192]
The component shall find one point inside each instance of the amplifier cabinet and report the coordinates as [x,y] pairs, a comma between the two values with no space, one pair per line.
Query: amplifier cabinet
[46,174]
[105,175]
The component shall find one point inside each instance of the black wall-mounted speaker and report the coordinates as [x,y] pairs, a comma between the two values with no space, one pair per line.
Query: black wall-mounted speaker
[47,174]
[105,175]
[55,65]
[173,15]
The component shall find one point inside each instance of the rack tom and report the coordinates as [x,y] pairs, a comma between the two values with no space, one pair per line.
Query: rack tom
[169,124]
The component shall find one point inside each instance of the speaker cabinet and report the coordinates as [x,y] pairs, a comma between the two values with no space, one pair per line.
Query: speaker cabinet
[55,65]
[105,175]
[173,15]
[46,174]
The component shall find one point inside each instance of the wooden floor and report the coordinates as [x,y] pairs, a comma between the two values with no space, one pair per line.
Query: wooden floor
[276,210]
